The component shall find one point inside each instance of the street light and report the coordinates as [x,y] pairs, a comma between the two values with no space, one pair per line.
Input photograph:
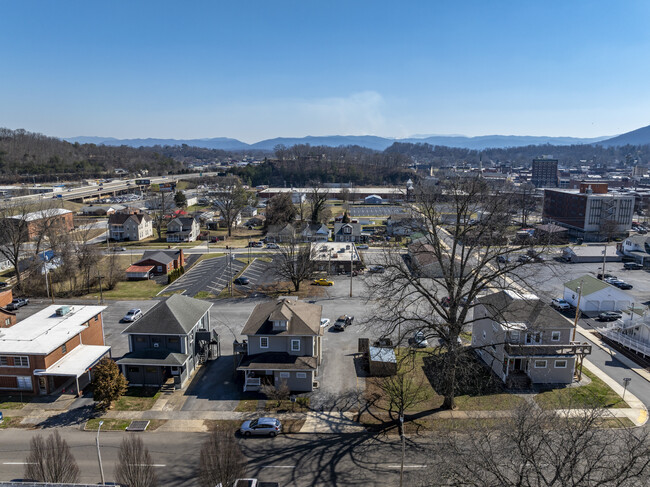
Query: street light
[99,455]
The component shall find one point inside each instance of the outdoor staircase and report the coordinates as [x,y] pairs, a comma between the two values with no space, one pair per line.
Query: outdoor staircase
[168,386]
[518,381]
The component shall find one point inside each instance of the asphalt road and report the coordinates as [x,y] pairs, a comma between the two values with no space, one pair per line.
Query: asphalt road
[292,460]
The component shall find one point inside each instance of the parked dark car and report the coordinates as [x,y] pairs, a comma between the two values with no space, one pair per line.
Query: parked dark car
[18,303]
[3,284]
[376,269]
[242,281]
[632,266]
[342,322]
[606,276]
[610,315]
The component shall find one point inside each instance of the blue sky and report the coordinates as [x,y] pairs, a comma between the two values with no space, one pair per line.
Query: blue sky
[259,69]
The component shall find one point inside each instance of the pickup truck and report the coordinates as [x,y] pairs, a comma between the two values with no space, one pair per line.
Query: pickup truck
[17,303]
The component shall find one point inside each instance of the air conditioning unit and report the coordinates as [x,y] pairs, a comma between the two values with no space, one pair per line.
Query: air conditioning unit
[63,310]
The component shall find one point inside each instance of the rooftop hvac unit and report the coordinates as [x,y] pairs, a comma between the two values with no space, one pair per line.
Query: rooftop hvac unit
[63,310]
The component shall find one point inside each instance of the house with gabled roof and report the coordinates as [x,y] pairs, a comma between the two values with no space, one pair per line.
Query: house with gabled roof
[524,340]
[183,229]
[283,344]
[162,261]
[130,226]
[168,342]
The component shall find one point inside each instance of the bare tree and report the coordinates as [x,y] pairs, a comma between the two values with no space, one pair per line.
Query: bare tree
[464,252]
[277,393]
[317,199]
[540,448]
[221,461]
[160,208]
[17,229]
[135,466]
[294,261]
[402,391]
[231,199]
[50,460]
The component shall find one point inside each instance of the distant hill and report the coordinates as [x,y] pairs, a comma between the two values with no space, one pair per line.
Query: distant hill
[635,137]
[223,143]
[370,141]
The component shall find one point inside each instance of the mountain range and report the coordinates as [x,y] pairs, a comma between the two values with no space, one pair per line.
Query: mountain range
[636,137]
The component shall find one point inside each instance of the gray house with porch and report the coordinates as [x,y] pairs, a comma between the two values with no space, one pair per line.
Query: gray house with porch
[525,341]
[283,345]
[168,342]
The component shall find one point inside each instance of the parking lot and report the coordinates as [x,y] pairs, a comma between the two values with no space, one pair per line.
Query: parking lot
[210,275]
[357,211]
[259,273]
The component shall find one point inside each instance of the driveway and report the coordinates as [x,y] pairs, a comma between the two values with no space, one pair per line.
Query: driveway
[113,328]
[215,389]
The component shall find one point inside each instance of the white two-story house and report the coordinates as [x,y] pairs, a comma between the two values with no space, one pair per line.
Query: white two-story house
[130,226]
[283,344]
[524,340]
[183,229]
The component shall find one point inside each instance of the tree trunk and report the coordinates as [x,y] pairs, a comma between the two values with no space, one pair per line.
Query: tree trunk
[450,379]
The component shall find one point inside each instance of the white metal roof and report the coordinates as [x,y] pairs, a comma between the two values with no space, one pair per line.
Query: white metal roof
[45,331]
[38,215]
[77,361]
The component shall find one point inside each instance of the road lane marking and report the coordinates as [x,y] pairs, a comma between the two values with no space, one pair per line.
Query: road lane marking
[279,466]
[405,466]
[19,463]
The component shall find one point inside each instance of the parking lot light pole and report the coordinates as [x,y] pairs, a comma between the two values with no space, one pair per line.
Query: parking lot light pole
[99,455]
[575,320]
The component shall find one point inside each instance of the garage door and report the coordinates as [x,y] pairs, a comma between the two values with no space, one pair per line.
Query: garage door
[590,306]
[607,305]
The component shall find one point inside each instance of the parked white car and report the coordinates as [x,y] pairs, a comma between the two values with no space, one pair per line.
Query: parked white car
[324,322]
[560,304]
[132,315]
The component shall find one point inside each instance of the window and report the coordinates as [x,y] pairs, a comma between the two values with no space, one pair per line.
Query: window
[134,370]
[540,364]
[8,322]
[64,349]
[555,336]
[4,361]
[139,339]
[560,364]
[96,317]
[301,375]
[534,338]
[21,362]
[24,382]
[172,339]
[285,375]
[264,342]
[295,345]
[514,336]
[150,370]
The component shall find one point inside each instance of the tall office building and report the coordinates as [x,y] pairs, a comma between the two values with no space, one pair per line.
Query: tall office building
[545,173]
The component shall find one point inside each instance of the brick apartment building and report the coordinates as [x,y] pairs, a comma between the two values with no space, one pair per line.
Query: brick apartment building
[37,220]
[52,350]
[587,211]
[545,173]
[7,318]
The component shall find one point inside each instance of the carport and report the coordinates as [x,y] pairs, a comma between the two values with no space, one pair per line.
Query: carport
[78,364]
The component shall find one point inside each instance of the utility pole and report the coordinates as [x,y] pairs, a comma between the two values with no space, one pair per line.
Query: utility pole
[99,455]
[101,293]
[352,250]
[230,270]
[401,467]
[575,321]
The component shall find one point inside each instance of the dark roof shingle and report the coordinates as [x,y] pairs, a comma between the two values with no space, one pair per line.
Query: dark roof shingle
[176,315]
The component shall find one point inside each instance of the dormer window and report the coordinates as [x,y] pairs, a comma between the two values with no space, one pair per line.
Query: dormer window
[347,229]
[280,325]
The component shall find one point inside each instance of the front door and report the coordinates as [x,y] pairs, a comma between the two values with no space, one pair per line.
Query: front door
[42,385]
[517,364]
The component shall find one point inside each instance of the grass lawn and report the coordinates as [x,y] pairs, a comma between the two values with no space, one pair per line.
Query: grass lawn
[11,423]
[109,424]
[211,255]
[205,295]
[13,402]
[597,393]
[497,401]
[137,399]
[247,405]
[130,290]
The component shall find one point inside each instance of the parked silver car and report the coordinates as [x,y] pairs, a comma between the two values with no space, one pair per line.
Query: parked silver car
[261,427]
[132,315]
